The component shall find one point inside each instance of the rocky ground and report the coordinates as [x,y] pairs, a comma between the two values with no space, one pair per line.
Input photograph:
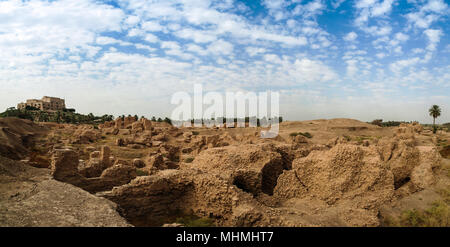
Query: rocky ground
[338,172]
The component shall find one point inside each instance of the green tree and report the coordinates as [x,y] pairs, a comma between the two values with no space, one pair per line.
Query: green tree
[435,111]
[167,120]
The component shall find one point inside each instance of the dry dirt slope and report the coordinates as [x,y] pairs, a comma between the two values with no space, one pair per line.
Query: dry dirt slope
[17,135]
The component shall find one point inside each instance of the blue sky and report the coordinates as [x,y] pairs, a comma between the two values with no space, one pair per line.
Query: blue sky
[362,59]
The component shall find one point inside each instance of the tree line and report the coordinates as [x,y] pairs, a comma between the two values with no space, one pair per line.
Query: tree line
[63,116]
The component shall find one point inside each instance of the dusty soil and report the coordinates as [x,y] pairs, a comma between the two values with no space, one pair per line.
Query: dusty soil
[337,172]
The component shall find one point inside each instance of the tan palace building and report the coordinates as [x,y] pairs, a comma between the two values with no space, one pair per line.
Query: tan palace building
[45,104]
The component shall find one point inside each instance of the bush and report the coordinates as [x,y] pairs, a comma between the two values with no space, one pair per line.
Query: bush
[435,128]
[378,122]
[392,124]
[438,215]
[31,108]
[189,160]
[306,134]
[195,133]
[167,120]
[140,172]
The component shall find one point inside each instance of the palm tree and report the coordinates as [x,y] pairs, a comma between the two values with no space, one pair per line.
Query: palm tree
[435,111]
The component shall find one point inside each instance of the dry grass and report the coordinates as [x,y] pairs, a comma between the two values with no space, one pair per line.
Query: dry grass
[438,215]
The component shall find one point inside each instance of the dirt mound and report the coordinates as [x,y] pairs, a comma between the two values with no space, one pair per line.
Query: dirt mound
[17,136]
[29,197]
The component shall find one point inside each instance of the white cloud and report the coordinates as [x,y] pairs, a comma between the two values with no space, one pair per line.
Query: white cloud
[151,38]
[309,9]
[253,51]
[151,26]
[106,40]
[135,32]
[399,65]
[272,58]
[421,20]
[351,67]
[55,27]
[378,30]
[197,49]
[382,8]
[70,47]
[374,8]
[401,37]
[221,47]
[197,36]
[437,6]
[307,70]
[350,36]
[417,50]
[380,55]
[337,3]
[434,36]
[427,14]
[132,20]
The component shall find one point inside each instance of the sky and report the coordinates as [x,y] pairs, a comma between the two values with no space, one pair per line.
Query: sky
[362,59]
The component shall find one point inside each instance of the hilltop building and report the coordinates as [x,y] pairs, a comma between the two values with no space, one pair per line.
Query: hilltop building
[45,104]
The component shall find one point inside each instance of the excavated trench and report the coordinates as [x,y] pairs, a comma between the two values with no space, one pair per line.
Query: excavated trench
[168,200]
[154,210]
[270,174]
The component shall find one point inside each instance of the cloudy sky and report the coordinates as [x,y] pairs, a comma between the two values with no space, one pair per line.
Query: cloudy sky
[362,59]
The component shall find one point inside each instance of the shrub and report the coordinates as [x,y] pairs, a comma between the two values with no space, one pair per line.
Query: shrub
[391,123]
[378,122]
[189,160]
[167,120]
[140,172]
[438,215]
[195,133]
[306,134]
